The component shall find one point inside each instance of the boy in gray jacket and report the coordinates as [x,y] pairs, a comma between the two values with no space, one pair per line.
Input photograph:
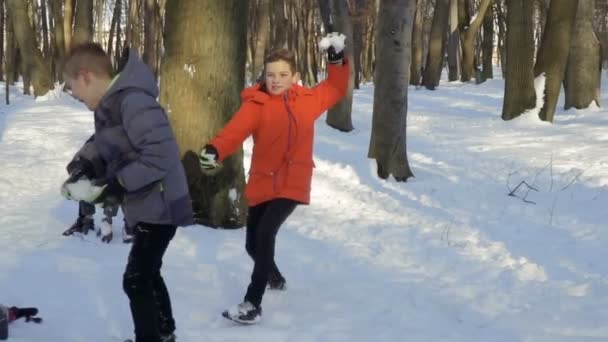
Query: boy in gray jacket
[143,169]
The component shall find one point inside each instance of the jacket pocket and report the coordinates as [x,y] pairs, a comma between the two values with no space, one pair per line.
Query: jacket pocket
[261,184]
[299,175]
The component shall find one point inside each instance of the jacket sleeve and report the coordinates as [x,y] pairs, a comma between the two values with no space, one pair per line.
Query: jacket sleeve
[150,134]
[231,137]
[333,89]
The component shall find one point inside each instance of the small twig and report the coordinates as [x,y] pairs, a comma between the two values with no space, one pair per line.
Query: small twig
[512,193]
[551,186]
[573,180]
[552,211]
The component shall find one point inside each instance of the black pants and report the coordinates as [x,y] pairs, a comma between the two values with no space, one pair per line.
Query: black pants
[263,223]
[142,282]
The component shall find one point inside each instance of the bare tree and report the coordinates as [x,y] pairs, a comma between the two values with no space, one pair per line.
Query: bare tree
[487,44]
[278,23]
[83,25]
[454,51]
[33,63]
[519,76]
[469,33]
[152,29]
[339,117]
[434,61]
[388,140]
[68,21]
[260,33]
[583,71]
[202,36]
[417,43]
[553,53]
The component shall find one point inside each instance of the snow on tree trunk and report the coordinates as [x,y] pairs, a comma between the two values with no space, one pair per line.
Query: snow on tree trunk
[388,139]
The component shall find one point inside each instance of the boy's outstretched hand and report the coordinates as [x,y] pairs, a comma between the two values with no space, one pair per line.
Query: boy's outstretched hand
[208,158]
[333,43]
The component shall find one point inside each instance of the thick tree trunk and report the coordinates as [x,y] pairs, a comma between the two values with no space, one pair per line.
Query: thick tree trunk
[32,60]
[203,36]
[417,45]
[519,77]
[583,72]
[553,53]
[434,61]
[83,25]
[388,140]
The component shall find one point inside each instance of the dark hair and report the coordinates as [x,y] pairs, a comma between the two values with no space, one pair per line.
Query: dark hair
[281,54]
[87,56]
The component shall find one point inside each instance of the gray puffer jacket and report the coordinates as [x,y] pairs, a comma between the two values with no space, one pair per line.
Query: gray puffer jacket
[135,140]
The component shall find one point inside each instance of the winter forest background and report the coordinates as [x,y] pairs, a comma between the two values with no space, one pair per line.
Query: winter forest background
[392,42]
[459,190]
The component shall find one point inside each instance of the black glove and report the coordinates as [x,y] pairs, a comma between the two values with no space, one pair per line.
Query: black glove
[79,168]
[208,158]
[112,192]
[28,313]
[334,57]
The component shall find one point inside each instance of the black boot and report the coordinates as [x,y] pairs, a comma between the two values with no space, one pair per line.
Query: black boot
[82,225]
[276,282]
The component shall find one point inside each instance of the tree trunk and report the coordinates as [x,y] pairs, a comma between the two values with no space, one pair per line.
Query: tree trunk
[519,77]
[393,38]
[99,20]
[358,23]
[56,10]
[278,24]
[2,29]
[46,50]
[31,56]
[487,44]
[502,37]
[454,51]
[203,36]
[151,30]
[417,45]
[261,39]
[468,41]
[133,29]
[83,26]
[583,71]
[339,116]
[68,20]
[434,61]
[114,27]
[553,53]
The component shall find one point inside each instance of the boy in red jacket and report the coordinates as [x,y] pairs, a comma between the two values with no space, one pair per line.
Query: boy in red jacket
[280,115]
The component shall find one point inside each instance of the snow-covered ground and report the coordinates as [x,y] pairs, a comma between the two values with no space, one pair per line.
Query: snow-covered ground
[447,256]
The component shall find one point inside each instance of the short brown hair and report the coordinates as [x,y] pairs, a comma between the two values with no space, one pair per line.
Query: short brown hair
[281,54]
[87,56]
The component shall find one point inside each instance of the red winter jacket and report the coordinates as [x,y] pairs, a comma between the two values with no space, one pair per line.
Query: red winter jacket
[283,130]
